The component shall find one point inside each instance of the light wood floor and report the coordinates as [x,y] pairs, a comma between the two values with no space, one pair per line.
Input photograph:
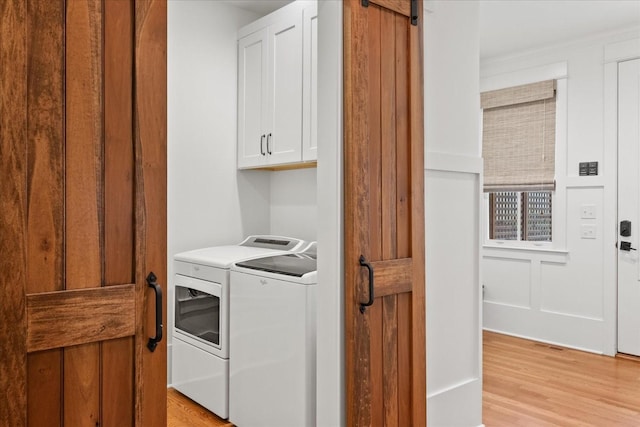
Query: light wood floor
[534,384]
[184,412]
[525,384]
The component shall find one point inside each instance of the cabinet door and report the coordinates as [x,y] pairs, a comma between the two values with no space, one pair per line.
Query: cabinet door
[284,133]
[252,99]
[310,88]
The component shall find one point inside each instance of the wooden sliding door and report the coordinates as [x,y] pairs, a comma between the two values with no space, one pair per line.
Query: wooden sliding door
[384,213]
[82,202]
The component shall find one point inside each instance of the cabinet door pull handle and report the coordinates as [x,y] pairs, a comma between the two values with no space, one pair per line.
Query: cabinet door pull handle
[268,148]
[262,145]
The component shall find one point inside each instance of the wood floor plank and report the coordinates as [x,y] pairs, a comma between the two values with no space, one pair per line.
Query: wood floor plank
[184,412]
[527,383]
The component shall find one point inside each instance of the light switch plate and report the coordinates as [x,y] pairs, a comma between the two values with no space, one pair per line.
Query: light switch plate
[588,211]
[588,231]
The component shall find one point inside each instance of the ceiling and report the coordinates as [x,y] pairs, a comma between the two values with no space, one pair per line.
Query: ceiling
[511,26]
[260,7]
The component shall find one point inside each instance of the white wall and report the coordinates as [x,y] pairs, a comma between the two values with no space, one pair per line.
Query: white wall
[209,202]
[452,198]
[294,206]
[330,334]
[566,295]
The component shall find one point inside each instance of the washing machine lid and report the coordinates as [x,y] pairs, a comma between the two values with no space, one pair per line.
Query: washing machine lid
[251,247]
[296,265]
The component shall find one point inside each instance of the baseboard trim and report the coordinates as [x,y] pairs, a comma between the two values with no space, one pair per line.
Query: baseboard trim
[628,357]
[444,407]
[543,341]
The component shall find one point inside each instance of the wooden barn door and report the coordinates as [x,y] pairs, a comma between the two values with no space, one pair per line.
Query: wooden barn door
[384,213]
[82,205]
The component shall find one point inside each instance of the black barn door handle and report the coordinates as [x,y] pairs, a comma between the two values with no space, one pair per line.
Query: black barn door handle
[364,305]
[152,282]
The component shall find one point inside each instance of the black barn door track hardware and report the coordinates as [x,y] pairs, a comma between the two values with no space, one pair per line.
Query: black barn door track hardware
[414,10]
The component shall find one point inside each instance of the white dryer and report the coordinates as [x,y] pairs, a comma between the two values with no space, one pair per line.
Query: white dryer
[200,358]
[272,355]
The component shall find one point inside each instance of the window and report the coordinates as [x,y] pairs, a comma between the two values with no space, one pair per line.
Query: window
[520,216]
[518,147]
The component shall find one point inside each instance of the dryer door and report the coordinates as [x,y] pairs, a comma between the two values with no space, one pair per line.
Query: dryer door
[198,312]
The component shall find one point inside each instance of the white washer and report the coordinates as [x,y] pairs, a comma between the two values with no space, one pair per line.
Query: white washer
[200,358]
[272,380]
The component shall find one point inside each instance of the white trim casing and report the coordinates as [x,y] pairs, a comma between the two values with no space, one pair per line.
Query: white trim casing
[556,71]
[453,163]
[452,171]
[622,51]
[453,200]
[613,54]
[330,326]
[523,77]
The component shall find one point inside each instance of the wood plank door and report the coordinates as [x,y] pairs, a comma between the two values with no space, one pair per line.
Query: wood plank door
[82,202]
[384,213]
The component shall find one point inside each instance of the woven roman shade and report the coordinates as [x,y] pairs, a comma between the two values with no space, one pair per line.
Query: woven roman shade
[518,138]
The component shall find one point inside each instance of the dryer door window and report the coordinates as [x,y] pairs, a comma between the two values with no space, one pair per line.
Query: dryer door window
[197,310]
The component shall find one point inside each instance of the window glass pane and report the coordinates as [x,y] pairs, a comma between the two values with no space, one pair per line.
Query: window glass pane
[522,216]
[504,221]
[537,213]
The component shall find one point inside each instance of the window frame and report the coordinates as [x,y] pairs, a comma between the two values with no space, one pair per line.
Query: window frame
[558,196]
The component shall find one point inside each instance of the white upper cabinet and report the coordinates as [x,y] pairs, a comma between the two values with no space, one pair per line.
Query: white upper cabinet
[284,132]
[276,88]
[253,97]
[310,82]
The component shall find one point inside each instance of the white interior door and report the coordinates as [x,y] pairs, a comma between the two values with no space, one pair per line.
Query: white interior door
[629,207]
